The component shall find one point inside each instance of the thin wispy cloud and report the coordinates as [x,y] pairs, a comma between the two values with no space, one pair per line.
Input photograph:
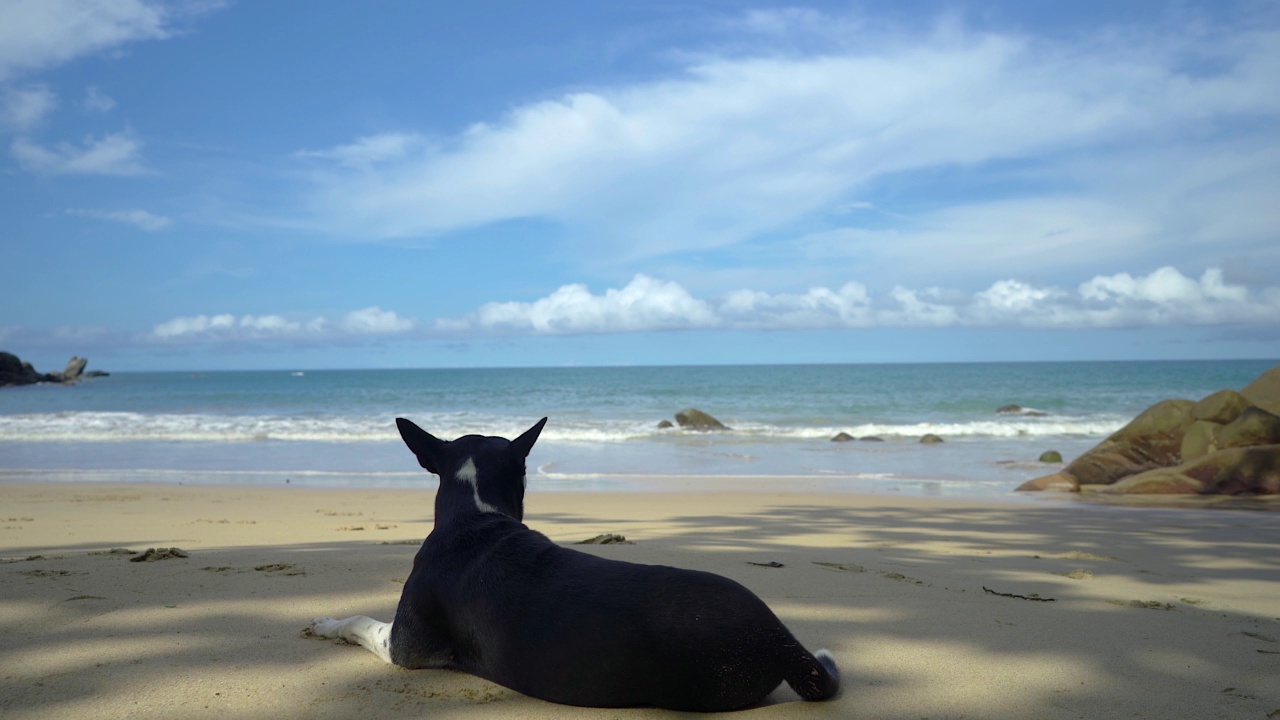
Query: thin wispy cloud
[739,147]
[23,108]
[140,219]
[97,101]
[36,34]
[113,154]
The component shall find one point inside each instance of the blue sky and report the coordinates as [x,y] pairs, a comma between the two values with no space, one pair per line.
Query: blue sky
[207,184]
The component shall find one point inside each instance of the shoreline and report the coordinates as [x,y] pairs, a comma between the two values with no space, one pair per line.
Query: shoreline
[925,602]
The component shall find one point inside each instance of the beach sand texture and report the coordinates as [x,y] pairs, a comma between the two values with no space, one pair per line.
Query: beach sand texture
[934,608]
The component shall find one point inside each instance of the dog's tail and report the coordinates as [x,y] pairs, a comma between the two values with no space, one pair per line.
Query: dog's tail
[816,676]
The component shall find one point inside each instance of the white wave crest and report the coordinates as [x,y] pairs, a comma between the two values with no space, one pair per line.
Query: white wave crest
[136,427]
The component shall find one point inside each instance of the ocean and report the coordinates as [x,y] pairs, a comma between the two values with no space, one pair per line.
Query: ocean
[337,428]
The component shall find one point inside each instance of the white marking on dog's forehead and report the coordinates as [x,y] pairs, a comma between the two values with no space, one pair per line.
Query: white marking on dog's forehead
[467,474]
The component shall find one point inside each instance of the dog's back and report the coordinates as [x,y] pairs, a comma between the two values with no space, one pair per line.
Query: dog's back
[489,596]
[570,627]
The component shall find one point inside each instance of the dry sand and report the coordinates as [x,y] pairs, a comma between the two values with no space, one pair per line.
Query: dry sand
[1141,612]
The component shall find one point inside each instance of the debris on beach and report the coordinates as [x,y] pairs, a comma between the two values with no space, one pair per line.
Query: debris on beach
[153,554]
[770,564]
[1033,596]
[605,539]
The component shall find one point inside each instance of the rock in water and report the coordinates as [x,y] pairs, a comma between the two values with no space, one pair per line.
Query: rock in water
[695,419]
[75,368]
[14,371]
[930,439]
[1050,456]
[842,437]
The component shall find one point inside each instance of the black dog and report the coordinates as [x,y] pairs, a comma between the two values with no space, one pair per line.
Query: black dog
[491,597]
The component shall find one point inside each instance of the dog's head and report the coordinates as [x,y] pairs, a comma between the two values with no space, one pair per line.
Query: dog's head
[476,472]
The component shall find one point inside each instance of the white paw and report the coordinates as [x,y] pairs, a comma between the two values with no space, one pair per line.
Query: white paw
[325,627]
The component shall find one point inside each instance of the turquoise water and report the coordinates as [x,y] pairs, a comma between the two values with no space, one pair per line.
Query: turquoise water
[337,427]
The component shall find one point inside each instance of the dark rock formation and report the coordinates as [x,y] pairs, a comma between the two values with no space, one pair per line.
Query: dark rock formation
[930,439]
[14,371]
[694,419]
[842,437]
[871,438]
[1227,443]
[1050,456]
[664,424]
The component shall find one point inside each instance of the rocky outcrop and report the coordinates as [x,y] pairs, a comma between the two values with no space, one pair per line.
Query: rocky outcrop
[1227,443]
[930,439]
[695,419]
[1234,471]
[1050,456]
[13,371]
[842,437]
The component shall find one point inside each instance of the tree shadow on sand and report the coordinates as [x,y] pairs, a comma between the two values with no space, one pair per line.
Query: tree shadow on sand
[897,592]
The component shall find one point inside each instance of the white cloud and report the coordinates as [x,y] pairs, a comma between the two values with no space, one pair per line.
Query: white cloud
[114,154]
[374,321]
[37,34]
[745,146]
[97,101]
[21,109]
[227,328]
[370,150]
[644,304]
[1165,297]
[139,218]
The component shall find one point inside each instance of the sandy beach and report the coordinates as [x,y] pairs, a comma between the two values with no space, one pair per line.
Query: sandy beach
[936,608]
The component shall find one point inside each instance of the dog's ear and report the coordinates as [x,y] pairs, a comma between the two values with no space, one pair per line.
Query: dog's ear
[426,446]
[524,443]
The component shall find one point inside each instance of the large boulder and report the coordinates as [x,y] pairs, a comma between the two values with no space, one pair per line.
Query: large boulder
[1149,441]
[695,419]
[1221,407]
[1234,471]
[1265,391]
[1254,426]
[1227,443]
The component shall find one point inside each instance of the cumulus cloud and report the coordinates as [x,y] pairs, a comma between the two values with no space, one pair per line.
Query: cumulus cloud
[138,218]
[1164,297]
[227,328]
[374,321]
[113,154]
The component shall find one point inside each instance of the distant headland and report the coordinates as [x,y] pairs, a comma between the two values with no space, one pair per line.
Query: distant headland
[13,371]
